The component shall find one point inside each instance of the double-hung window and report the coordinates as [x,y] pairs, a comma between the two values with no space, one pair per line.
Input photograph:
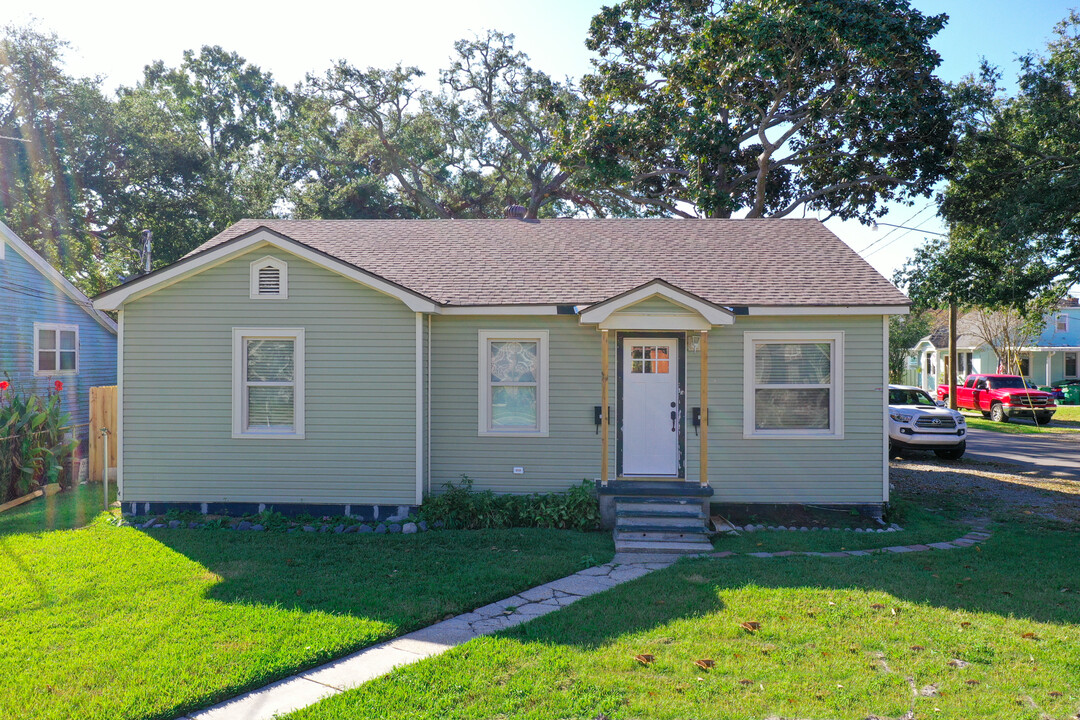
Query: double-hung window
[56,349]
[268,382]
[793,384]
[1070,364]
[1062,323]
[513,383]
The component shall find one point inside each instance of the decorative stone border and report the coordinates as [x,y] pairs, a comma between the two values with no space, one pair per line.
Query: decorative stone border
[783,528]
[972,538]
[391,526]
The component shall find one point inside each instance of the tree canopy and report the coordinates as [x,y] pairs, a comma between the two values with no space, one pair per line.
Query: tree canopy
[1013,201]
[714,107]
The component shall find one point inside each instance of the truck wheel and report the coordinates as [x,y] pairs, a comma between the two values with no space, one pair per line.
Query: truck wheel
[985,414]
[954,453]
[1044,419]
[997,413]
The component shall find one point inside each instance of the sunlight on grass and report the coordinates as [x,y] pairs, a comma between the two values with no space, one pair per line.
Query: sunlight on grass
[110,622]
[967,629]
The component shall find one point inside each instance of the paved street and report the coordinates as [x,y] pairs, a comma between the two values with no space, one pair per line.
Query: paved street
[1059,454]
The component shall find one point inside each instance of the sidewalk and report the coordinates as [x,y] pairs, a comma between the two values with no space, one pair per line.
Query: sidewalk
[309,687]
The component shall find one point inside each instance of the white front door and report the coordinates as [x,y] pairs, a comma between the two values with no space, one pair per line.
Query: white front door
[650,407]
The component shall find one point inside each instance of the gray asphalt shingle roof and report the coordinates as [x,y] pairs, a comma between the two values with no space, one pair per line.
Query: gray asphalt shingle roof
[580,262]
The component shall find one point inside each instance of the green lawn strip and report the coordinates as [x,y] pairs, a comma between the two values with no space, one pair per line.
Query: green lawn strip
[823,651]
[66,510]
[111,622]
[921,526]
[1066,421]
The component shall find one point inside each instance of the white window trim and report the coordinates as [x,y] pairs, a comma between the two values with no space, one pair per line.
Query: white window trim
[484,391]
[253,278]
[836,396]
[55,327]
[1057,322]
[239,384]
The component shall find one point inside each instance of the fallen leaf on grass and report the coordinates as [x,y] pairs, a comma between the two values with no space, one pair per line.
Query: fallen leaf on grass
[1055,693]
[1030,636]
[896,611]
[957,663]
[751,626]
[972,683]
[965,624]
[745,681]
[644,659]
[704,664]
[917,648]
[878,606]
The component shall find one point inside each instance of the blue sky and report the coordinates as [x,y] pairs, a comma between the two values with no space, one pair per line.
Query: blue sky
[116,39]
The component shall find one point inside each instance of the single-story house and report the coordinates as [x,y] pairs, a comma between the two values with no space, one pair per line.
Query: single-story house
[1047,360]
[358,366]
[50,332]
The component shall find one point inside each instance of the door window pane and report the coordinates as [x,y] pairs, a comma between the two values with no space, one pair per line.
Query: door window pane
[1070,364]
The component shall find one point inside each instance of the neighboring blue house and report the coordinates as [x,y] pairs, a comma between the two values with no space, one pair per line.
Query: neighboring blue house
[1051,358]
[50,331]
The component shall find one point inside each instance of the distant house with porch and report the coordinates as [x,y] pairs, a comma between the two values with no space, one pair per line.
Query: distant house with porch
[1049,358]
[50,332]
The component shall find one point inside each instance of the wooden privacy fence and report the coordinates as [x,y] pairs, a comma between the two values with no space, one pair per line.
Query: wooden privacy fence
[102,414]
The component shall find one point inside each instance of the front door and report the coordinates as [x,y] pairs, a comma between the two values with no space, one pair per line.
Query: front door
[651,411]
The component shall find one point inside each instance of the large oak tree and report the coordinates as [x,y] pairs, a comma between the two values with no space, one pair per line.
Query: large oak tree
[762,107]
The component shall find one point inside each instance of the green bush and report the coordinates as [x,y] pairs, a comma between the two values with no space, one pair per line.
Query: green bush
[33,450]
[460,507]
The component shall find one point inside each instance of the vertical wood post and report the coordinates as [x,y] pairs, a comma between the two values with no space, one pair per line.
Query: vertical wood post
[703,455]
[951,365]
[604,420]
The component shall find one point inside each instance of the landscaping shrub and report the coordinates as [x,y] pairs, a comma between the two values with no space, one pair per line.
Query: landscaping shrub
[460,507]
[33,450]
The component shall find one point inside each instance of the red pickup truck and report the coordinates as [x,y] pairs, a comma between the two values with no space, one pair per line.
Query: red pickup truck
[1002,397]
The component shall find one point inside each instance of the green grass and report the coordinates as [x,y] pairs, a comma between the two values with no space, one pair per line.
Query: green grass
[70,509]
[113,622]
[823,651]
[920,526]
[1066,421]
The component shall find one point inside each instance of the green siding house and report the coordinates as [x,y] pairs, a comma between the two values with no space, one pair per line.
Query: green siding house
[358,366]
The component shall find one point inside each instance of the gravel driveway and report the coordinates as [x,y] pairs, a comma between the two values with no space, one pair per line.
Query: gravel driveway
[1053,454]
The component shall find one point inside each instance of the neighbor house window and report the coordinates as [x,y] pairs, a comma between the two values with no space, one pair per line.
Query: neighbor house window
[268,382]
[793,384]
[56,349]
[513,383]
[1025,365]
[1062,324]
[269,279]
[1070,364]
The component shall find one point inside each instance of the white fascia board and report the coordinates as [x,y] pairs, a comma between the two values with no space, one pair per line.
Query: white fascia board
[1050,348]
[498,310]
[54,276]
[113,299]
[828,310]
[598,313]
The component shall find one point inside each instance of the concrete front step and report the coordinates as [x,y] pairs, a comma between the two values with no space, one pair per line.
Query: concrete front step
[659,521]
[644,528]
[658,547]
[681,512]
[659,505]
[660,536]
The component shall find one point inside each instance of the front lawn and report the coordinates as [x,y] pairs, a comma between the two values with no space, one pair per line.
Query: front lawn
[988,631]
[1066,421]
[113,622]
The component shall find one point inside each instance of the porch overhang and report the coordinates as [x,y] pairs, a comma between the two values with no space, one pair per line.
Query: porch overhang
[617,313]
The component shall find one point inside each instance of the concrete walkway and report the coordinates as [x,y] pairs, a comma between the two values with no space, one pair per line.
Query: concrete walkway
[314,685]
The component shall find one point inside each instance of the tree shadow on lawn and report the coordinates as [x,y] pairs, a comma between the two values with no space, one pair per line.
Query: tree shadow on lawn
[406,580]
[1019,573]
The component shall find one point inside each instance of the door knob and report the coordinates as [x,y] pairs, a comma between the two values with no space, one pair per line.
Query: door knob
[674,417]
